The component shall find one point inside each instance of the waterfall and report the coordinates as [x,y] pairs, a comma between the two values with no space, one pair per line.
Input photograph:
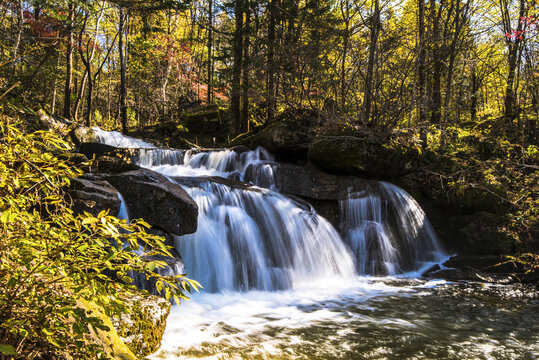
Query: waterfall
[250,236]
[259,239]
[388,232]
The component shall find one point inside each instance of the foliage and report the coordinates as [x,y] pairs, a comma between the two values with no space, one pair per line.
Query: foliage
[50,257]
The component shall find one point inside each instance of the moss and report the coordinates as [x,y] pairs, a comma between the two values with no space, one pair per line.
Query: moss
[109,340]
[142,328]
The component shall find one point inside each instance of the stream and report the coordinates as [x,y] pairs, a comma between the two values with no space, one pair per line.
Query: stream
[281,282]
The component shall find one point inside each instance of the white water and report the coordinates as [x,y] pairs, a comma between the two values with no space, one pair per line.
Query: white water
[267,262]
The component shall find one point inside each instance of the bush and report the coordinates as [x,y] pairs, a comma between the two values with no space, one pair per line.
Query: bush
[52,260]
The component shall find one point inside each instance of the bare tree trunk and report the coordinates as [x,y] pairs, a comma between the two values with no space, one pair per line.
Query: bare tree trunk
[123,85]
[235,97]
[69,62]
[345,14]
[375,30]
[421,73]
[270,89]
[209,45]
[510,112]
[245,70]
[20,26]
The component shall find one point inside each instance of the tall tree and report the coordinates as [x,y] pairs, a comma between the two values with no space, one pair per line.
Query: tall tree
[237,50]
[123,80]
[69,61]
[374,30]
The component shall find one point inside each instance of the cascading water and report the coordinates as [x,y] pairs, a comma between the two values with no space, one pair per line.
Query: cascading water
[256,238]
[280,282]
[388,232]
[259,239]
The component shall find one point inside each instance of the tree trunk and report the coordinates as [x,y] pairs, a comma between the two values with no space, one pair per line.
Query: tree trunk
[346,14]
[245,70]
[421,73]
[510,112]
[210,44]
[375,30]
[69,63]
[123,85]
[20,26]
[236,68]
[270,89]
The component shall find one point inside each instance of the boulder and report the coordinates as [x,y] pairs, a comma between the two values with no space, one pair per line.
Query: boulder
[366,156]
[160,202]
[93,196]
[141,329]
[203,119]
[474,261]
[311,183]
[288,137]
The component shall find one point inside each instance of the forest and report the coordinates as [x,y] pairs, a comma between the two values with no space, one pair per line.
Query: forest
[373,63]
[440,97]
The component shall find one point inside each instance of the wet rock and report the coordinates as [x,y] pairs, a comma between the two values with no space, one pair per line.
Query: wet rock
[315,184]
[473,261]
[431,270]
[93,196]
[471,275]
[157,200]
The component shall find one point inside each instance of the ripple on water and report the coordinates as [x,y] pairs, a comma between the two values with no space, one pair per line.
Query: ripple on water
[371,319]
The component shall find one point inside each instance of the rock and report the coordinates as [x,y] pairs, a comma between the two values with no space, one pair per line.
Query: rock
[203,119]
[109,158]
[112,164]
[431,270]
[157,200]
[483,233]
[311,183]
[365,156]
[96,149]
[141,329]
[167,134]
[108,340]
[473,261]
[531,276]
[470,275]
[506,267]
[93,196]
[288,137]
[81,134]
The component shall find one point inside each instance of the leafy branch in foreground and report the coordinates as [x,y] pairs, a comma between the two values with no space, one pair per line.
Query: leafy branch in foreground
[52,259]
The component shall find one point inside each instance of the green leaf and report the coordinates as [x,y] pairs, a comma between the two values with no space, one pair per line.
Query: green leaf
[7,350]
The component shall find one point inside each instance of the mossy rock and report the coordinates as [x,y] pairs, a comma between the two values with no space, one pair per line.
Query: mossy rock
[142,328]
[108,340]
[362,156]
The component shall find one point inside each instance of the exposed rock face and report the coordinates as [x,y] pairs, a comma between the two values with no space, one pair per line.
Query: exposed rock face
[362,156]
[157,200]
[93,196]
[315,184]
[288,137]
